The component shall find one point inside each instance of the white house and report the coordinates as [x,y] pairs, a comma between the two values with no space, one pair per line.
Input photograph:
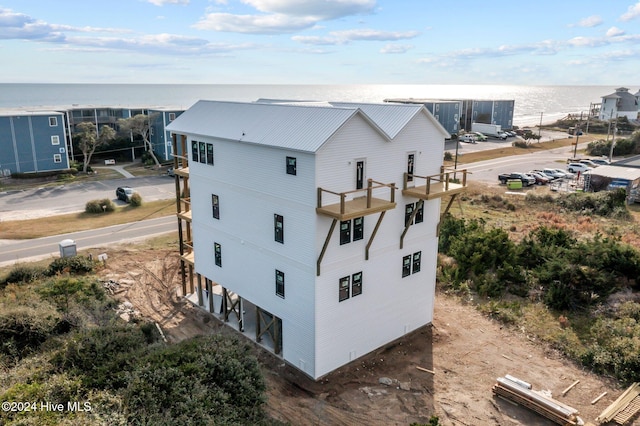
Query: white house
[312,227]
[619,104]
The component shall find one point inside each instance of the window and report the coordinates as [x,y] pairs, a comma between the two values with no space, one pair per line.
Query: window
[53,121]
[345,232]
[419,217]
[203,158]
[406,266]
[217,249]
[416,261]
[420,214]
[360,164]
[280,283]
[410,161]
[210,154]
[356,284]
[55,140]
[408,210]
[278,228]
[172,116]
[291,166]
[57,158]
[215,206]
[194,152]
[151,131]
[343,288]
[358,228]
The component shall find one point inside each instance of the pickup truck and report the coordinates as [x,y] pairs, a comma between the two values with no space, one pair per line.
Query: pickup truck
[527,180]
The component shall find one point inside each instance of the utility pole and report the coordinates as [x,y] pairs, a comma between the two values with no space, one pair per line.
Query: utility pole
[578,131]
[613,139]
[540,126]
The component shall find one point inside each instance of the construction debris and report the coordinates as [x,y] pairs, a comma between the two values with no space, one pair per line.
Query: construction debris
[564,392]
[624,408]
[520,392]
[425,370]
[598,398]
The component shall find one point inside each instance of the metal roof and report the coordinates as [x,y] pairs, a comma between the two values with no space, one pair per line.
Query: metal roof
[390,117]
[296,127]
[616,172]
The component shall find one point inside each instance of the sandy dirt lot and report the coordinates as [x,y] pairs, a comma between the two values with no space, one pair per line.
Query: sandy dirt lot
[466,351]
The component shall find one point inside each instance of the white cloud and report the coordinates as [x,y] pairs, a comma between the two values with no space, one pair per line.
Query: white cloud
[591,21]
[254,24]
[163,2]
[631,13]
[319,9]
[396,48]
[586,42]
[614,31]
[347,36]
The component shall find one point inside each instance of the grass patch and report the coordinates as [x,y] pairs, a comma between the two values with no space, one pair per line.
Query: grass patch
[73,222]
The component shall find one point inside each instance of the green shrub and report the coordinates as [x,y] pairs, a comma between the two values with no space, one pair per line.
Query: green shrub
[136,200]
[24,328]
[448,156]
[23,274]
[99,206]
[73,264]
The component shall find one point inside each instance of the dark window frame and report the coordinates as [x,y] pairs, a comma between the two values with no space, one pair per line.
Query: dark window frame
[53,121]
[280,283]
[416,262]
[215,206]
[358,229]
[345,233]
[195,153]
[343,288]
[278,228]
[210,156]
[217,254]
[420,215]
[408,211]
[292,166]
[356,284]
[202,150]
[406,266]
[411,158]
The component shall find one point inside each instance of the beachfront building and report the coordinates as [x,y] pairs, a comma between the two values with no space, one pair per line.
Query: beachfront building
[459,114]
[312,228]
[32,141]
[159,136]
[621,103]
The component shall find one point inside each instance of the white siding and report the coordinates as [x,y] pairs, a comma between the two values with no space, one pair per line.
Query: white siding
[390,306]
[249,181]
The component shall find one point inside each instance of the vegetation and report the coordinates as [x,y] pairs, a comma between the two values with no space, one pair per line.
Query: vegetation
[139,126]
[99,206]
[90,138]
[622,147]
[62,341]
[576,291]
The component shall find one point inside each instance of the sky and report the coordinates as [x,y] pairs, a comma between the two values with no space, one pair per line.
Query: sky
[519,42]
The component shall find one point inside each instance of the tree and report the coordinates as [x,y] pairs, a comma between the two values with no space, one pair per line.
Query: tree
[139,125]
[90,139]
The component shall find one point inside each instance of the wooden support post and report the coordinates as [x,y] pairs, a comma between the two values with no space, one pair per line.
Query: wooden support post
[210,293]
[373,235]
[326,244]
[199,287]
[409,222]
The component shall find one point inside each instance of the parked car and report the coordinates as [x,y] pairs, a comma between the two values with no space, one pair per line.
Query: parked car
[480,136]
[502,136]
[600,161]
[578,167]
[553,173]
[567,174]
[124,193]
[170,172]
[541,178]
[468,137]
[589,163]
[526,179]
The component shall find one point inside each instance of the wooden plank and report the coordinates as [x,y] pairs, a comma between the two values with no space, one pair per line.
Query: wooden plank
[564,392]
[425,370]
[598,398]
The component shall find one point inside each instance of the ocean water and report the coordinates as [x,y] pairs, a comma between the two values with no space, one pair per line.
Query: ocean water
[532,103]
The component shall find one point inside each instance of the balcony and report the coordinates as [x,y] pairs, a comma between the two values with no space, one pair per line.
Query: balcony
[356,203]
[435,186]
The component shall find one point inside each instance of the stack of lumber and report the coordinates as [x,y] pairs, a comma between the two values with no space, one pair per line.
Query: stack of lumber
[624,408]
[521,392]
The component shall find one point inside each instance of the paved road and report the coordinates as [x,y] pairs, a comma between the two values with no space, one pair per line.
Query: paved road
[72,198]
[39,248]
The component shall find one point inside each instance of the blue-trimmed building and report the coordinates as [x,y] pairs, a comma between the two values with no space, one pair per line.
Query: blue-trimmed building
[32,141]
[159,136]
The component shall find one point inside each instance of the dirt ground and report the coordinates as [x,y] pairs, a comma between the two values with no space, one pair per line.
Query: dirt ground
[466,351]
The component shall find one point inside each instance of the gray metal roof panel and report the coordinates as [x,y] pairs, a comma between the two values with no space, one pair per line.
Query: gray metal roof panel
[301,128]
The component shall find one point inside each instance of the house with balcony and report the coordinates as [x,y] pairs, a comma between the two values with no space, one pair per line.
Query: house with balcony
[621,103]
[312,228]
[32,141]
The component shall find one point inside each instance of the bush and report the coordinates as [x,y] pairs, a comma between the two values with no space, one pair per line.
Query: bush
[73,264]
[23,274]
[99,206]
[136,200]
[24,328]
[448,156]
